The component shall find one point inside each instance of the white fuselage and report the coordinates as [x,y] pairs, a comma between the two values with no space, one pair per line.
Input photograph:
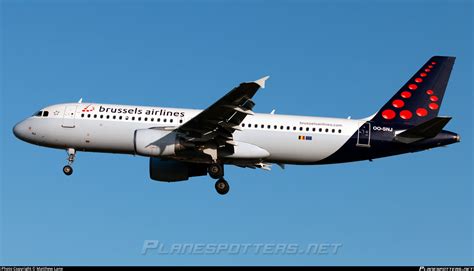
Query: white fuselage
[110,128]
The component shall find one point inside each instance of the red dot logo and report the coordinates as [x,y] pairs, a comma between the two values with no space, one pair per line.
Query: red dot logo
[388,114]
[423,74]
[429,92]
[418,80]
[434,63]
[406,115]
[433,106]
[412,86]
[406,94]
[427,70]
[398,103]
[88,108]
[434,98]
[421,112]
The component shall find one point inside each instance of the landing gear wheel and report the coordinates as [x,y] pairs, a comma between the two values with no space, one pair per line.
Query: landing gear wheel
[216,171]
[222,186]
[71,155]
[67,170]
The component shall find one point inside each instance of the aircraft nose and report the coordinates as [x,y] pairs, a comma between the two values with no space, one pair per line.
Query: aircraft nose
[19,130]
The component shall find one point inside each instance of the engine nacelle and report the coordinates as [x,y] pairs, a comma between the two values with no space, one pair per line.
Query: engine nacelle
[174,171]
[155,143]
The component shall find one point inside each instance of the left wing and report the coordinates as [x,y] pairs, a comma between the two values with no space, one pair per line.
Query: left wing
[212,129]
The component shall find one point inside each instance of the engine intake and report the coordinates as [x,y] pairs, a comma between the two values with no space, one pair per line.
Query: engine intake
[156,143]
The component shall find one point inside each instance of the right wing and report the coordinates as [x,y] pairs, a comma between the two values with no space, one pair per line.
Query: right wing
[214,126]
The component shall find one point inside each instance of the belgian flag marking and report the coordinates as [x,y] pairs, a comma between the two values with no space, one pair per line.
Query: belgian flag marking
[305,138]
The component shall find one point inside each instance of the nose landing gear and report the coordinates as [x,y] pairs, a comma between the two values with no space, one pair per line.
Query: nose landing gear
[70,159]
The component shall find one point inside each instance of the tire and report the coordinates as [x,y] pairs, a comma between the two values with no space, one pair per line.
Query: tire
[216,171]
[67,170]
[222,186]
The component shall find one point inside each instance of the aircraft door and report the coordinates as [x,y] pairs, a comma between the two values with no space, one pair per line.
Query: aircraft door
[69,117]
[363,135]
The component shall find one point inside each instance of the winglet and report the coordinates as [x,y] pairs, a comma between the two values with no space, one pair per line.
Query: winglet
[261,81]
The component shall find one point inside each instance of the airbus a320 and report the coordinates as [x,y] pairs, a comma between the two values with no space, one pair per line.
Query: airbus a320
[184,143]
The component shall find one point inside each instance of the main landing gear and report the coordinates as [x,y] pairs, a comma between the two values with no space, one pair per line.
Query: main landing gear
[216,171]
[71,155]
[222,186]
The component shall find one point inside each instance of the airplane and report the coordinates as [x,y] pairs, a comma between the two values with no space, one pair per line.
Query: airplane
[184,143]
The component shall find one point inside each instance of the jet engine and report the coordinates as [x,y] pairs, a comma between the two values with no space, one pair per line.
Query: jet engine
[174,171]
[155,142]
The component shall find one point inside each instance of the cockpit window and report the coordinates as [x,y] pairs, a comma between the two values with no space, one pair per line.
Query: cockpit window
[45,113]
[38,114]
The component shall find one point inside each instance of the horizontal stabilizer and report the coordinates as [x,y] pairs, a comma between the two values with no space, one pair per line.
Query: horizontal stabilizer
[427,129]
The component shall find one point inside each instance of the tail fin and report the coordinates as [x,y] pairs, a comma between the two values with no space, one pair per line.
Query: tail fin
[420,98]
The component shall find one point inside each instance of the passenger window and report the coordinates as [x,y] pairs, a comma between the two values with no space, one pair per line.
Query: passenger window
[146,119]
[294,128]
[281,127]
[327,130]
[275,127]
[139,118]
[307,129]
[108,117]
[333,130]
[243,124]
[82,115]
[171,120]
[101,116]
[158,119]
[262,126]
[340,131]
[95,116]
[320,130]
[301,128]
[180,121]
[113,116]
[249,125]
[88,115]
[314,129]
[152,119]
[133,118]
[287,127]
[126,117]
[164,120]
[256,125]
[269,126]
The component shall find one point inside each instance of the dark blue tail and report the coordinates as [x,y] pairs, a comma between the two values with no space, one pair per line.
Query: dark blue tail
[420,98]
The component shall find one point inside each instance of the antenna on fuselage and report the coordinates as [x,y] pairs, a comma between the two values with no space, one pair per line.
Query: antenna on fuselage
[273,112]
[80,101]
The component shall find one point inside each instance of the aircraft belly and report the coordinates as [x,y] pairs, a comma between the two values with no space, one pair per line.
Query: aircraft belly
[89,136]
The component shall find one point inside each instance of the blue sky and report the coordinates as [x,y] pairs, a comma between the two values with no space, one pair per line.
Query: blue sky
[325,58]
